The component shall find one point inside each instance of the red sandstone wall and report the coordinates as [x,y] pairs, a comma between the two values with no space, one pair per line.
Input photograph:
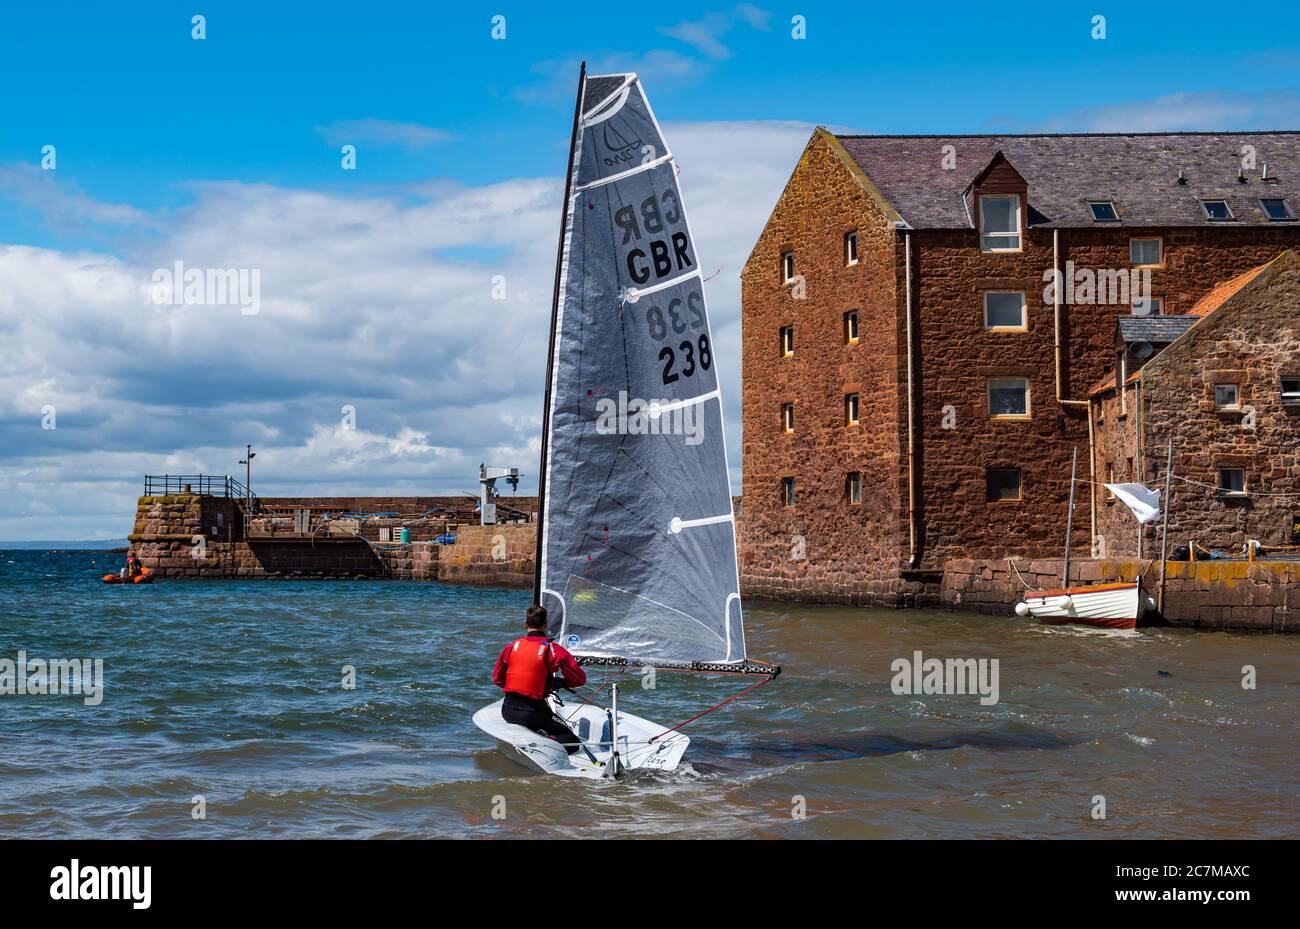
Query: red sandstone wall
[1253,340]
[843,552]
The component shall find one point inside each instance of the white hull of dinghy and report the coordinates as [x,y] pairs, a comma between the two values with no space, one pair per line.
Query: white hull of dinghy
[591,723]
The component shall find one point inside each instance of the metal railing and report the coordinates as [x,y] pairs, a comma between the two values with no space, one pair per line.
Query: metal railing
[211,485]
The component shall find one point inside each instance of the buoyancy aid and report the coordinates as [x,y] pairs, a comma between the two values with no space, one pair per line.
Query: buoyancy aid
[529,666]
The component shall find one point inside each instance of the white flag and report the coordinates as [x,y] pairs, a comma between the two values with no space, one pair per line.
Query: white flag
[1142,500]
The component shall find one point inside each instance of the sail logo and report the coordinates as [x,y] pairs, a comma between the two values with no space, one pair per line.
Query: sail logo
[922,675]
[620,149]
[88,882]
[634,416]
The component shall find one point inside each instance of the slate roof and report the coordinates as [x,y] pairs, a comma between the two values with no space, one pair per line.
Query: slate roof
[1161,329]
[1137,171]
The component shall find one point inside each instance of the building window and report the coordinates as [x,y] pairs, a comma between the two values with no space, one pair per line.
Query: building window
[787,267]
[1151,306]
[787,491]
[1009,398]
[1004,310]
[851,247]
[1226,397]
[1103,211]
[1110,479]
[1216,210]
[1291,390]
[850,409]
[851,327]
[787,417]
[1232,482]
[1000,223]
[1145,251]
[1276,209]
[787,340]
[853,487]
[1003,484]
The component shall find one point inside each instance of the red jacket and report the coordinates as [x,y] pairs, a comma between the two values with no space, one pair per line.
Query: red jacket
[557,659]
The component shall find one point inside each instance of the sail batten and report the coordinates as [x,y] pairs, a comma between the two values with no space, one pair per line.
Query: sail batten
[637,551]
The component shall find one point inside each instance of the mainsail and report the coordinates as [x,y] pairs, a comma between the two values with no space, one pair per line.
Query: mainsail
[637,544]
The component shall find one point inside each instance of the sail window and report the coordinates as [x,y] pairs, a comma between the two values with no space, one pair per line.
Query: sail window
[1276,209]
[787,267]
[1226,397]
[787,340]
[787,417]
[787,491]
[851,327]
[1004,310]
[1103,211]
[1232,482]
[1291,390]
[1002,484]
[851,247]
[1216,210]
[1009,398]
[1146,251]
[1000,223]
[853,487]
[850,409]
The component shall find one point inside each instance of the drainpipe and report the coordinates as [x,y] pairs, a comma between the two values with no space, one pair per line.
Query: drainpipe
[911,408]
[1061,399]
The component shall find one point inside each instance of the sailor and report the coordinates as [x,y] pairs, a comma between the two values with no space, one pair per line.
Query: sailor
[529,670]
[132,565]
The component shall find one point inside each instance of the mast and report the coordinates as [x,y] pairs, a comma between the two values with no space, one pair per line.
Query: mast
[550,352]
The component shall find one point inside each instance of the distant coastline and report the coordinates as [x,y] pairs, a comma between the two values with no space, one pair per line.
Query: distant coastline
[85,545]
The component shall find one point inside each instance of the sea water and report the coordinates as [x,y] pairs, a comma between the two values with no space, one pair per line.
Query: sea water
[342,708]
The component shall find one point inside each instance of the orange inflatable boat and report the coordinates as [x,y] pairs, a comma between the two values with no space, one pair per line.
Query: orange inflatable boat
[144,577]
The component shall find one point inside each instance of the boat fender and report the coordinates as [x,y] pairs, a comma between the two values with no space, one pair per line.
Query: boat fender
[1022,608]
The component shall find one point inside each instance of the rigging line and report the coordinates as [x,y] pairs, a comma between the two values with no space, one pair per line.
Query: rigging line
[716,706]
[608,681]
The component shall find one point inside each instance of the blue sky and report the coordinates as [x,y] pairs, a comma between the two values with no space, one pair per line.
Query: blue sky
[225,152]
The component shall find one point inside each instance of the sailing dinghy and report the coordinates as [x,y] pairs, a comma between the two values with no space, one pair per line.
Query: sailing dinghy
[636,543]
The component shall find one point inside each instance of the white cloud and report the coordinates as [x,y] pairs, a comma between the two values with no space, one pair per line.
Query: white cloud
[706,33]
[381,132]
[1202,111]
[380,301]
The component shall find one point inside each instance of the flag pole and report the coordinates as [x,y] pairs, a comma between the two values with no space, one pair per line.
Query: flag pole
[1069,519]
[1164,526]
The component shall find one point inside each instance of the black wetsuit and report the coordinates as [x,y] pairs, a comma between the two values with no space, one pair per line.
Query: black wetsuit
[537,716]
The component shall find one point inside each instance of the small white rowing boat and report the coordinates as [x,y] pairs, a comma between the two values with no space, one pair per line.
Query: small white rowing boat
[1105,606]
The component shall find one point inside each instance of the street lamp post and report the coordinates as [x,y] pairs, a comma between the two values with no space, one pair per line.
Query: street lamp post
[247,462]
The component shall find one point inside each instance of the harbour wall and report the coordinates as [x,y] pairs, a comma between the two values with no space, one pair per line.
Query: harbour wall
[1257,596]
[1231,595]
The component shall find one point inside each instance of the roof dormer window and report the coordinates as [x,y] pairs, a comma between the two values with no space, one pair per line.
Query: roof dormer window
[999,223]
[1276,209]
[1103,211]
[1216,210]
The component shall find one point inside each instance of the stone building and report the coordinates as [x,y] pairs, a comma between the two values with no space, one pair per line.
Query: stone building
[913,388]
[1226,389]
